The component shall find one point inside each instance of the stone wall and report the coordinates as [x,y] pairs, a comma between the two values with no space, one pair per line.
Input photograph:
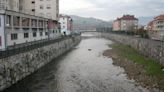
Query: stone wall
[17,67]
[147,47]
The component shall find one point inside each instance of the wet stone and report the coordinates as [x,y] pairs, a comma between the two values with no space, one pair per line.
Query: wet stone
[2,70]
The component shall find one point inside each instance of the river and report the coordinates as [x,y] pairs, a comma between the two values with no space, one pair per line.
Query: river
[83,69]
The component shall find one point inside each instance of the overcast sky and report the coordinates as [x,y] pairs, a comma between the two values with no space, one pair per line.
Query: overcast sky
[110,9]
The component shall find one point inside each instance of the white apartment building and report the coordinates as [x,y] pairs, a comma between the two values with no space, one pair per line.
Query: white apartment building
[129,25]
[125,23]
[18,25]
[66,24]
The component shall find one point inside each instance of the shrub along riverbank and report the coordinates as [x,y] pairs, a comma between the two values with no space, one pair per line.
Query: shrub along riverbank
[144,70]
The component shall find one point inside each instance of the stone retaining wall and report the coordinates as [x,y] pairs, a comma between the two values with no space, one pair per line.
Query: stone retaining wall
[17,67]
[147,47]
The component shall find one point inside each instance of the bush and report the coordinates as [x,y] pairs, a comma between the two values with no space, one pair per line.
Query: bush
[143,33]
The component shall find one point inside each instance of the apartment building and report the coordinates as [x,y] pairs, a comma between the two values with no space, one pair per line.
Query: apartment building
[21,21]
[44,8]
[125,23]
[117,25]
[66,23]
[156,28]
[12,5]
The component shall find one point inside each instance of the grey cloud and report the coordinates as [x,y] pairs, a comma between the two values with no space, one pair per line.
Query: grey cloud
[115,8]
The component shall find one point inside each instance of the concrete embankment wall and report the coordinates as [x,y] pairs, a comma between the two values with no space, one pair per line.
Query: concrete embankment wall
[147,47]
[17,67]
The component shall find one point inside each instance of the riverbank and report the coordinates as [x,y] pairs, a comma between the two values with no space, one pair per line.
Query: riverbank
[17,67]
[83,69]
[147,47]
[142,69]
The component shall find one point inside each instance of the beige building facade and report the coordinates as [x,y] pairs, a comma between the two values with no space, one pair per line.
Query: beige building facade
[12,5]
[43,8]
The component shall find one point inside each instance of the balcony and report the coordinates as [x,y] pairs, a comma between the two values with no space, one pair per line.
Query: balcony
[40,24]
[45,24]
[16,22]
[8,21]
[25,23]
[33,23]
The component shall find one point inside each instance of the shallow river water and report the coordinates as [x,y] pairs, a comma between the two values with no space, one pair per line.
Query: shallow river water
[84,69]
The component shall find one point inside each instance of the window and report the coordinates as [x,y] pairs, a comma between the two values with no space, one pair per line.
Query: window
[8,20]
[41,33]
[0,41]
[33,10]
[33,2]
[25,22]
[57,15]
[46,33]
[34,34]
[48,6]
[14,36]
[41,7]
[16,21]
[26,35]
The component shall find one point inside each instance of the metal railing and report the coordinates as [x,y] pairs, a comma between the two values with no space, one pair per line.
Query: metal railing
[132,34]
[21,48]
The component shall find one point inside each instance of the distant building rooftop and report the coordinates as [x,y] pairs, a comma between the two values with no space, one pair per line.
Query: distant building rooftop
[127,17]
[65,16]
[160,17]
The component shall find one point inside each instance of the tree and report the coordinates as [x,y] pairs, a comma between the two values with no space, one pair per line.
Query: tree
[142,32]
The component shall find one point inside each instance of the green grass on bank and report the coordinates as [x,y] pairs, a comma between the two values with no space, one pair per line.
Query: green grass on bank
[151,66]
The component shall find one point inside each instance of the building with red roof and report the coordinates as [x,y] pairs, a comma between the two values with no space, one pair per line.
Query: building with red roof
[156,27]
[125,23]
